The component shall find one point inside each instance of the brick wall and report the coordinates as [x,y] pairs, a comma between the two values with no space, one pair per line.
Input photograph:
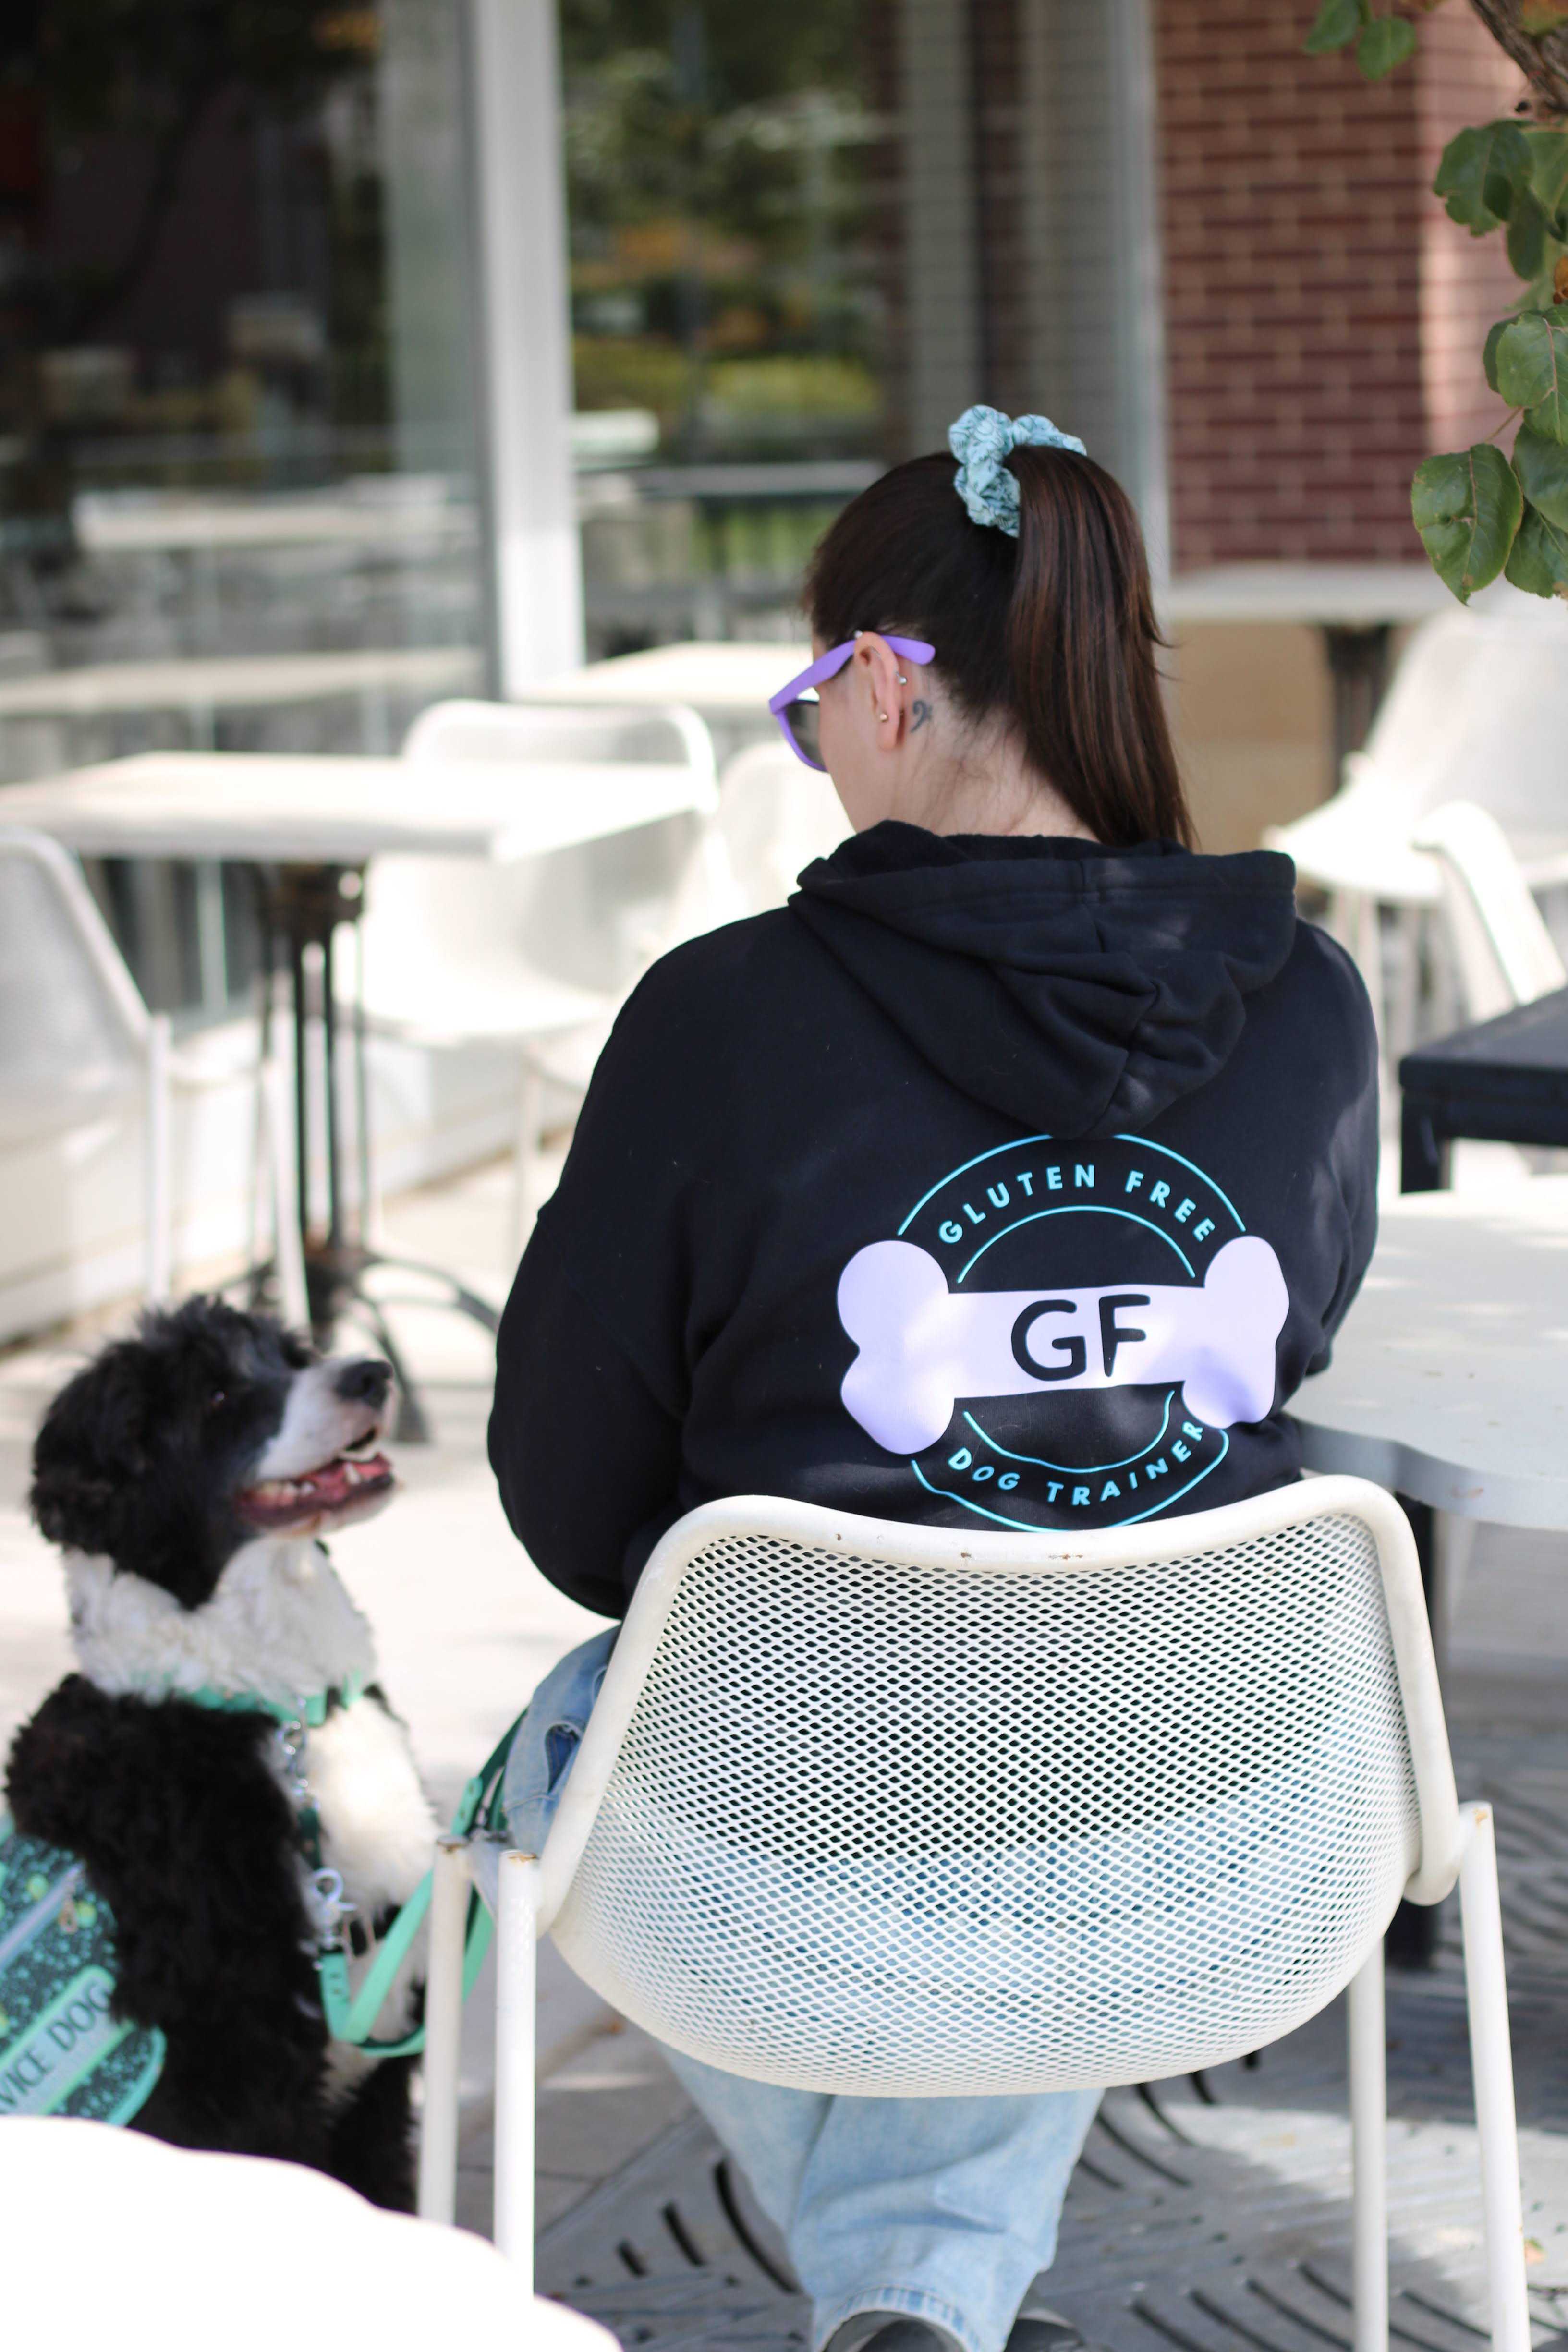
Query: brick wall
[1322,316]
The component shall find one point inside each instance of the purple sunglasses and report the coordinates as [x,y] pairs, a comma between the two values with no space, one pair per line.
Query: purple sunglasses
[796,707]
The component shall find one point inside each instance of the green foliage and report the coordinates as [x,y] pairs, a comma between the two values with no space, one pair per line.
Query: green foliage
[1548,167]
[1337,25]
[1488,356]
[1538,560]
[1467,507]
[1541,466]
[1532,362]
[1384,44]
[1381,42]
[1477,513]
[1479,174]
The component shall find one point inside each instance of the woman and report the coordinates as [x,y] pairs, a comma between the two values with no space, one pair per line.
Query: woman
[1014,1035]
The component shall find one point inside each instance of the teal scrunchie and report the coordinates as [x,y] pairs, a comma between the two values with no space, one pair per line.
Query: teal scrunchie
[980,441]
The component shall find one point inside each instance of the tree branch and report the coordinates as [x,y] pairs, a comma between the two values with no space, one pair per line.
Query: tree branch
[1541,57]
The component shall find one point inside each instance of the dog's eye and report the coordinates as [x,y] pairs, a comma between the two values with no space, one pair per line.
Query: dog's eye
[217,1398]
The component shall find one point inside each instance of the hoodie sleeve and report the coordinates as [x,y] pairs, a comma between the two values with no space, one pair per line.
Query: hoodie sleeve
[1353,1149]
[593,1372]
[585,1454]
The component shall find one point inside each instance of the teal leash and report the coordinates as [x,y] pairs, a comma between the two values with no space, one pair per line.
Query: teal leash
[351,2017]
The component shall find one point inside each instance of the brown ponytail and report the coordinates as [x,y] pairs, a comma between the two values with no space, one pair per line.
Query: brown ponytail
[1056,627]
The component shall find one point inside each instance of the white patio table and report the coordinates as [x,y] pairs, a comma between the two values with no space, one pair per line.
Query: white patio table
[308,825]
[1450,1379]
[1448,1384]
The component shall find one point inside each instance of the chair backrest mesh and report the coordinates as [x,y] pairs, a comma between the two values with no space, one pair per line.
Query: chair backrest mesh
[901,1830]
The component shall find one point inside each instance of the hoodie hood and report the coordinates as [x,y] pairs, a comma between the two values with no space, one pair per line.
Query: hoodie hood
[1075,989]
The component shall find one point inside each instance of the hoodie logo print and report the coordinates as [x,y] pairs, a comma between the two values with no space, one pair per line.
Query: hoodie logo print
[1203,1330]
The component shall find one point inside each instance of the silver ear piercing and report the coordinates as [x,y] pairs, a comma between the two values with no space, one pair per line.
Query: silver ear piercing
[881,714]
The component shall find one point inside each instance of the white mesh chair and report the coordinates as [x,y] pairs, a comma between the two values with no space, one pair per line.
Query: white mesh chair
[911,1812]
[1505,954]
[539,954]
[77,1042]
[776,815]
[1476,711]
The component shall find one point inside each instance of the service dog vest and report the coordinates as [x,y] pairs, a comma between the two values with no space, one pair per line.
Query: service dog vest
[63,2052]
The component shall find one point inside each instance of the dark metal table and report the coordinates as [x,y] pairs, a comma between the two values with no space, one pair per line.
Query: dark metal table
[1504,1081]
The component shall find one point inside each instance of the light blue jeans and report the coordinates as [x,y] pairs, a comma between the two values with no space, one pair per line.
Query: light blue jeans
[943,2208]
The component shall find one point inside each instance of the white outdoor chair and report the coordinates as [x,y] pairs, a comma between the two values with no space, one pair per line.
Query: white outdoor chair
[776,815]
[1477,710]
[912,1811]
[540,953]
[77,1042]
[1505,954]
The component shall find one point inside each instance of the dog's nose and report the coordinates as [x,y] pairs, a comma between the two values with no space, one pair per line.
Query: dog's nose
[365,1379]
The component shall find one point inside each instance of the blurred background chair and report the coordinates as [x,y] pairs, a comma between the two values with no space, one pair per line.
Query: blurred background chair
[540,954]
[776,815]
[78,1045]
[1503,950]
[1478,711]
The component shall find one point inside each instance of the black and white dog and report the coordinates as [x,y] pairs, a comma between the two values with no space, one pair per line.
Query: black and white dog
[188,1473]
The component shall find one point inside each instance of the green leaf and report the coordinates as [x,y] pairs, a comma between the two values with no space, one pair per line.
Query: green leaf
[1488,356]
[1541,467]
[1467,507]
[1533,370]
[1527,228]
[1548,167]
[1538,560]
[1384,44]
[1479,170]
[1337,23]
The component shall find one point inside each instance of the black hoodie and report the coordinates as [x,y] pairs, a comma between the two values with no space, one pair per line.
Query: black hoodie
[999,1183]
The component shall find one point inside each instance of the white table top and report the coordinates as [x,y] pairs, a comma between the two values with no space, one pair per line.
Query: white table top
[238,681]
[286,809]
[1449,1381]
[729,680]
[108,525]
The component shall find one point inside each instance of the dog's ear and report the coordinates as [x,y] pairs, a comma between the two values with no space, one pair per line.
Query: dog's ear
[92,1451]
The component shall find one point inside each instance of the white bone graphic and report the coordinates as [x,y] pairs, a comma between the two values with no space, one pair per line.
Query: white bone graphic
[923,1347]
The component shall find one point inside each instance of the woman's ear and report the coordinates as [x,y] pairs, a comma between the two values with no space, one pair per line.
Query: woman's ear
[879,674]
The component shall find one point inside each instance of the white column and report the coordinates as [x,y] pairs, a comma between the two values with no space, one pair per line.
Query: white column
[1097,361]
[524,338]
[942,273]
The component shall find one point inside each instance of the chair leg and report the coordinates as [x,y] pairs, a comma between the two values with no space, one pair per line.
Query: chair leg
[159,1204]
[437,2198]
[1368,2156]
[516,1963]
[1491,2061]
[288,1250]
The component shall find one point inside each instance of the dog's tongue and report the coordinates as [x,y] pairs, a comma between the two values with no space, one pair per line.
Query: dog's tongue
[333,1484]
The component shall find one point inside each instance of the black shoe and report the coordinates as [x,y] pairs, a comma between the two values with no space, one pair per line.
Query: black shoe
[896,2335]
[1036,2329]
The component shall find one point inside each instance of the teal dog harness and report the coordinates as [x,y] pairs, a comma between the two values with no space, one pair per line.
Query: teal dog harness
[63,2051]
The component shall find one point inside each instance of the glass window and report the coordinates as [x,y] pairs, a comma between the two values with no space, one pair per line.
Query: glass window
[730,318]
[237,417]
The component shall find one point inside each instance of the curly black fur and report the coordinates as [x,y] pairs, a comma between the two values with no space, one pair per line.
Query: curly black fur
[187,1834]
[140,1455]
